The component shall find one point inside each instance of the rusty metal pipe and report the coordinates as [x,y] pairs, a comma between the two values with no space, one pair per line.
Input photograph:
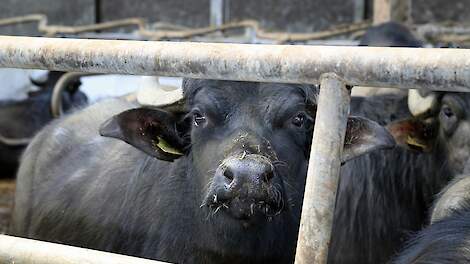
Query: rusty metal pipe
[15,250]
[323,171]
[435,69]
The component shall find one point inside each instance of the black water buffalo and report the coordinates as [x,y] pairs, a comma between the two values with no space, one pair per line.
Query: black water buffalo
[447,239]
[216,178]
[390,34]
[384,196]
[20,120]
[383,209]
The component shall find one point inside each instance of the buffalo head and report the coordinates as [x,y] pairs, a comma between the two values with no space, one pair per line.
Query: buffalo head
[441,124]
[247,144]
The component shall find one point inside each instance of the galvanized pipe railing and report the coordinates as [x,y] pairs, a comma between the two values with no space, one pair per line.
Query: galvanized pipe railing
[323,171]
[15,250]
[435,69]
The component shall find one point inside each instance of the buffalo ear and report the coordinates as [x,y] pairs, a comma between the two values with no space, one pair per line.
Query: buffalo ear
[155,131]
[363,136]
[415,133]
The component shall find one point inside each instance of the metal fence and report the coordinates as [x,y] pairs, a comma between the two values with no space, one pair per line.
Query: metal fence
[17,250]
[332,67]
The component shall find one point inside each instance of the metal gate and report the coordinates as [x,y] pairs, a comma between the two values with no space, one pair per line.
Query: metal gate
[333,67]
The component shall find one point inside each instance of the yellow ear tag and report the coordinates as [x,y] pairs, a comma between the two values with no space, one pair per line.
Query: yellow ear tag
[416,143]
[163,145]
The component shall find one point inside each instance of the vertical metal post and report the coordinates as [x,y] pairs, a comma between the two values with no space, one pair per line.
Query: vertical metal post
[323,171]
[219,10]
[359,10]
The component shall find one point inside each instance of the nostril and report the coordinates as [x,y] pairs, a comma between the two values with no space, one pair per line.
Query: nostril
[228,174]
[268,175]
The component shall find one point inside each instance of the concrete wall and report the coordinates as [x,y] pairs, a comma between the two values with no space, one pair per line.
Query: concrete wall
[65,12]
[425,11]
[193,13]
[294,15]
[279,15]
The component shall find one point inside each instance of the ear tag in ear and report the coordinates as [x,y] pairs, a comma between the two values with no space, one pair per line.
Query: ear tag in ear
[164,146]
[416,143]
[152,131]
[414,133]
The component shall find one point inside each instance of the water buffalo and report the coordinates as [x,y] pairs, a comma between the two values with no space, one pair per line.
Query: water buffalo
[445,127]
[20,120]
[390,34]
[215,178]
[384,196]
[447,239]
[377,212]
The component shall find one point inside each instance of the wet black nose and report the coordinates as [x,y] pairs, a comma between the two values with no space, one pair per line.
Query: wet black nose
[253,169]
[245,186]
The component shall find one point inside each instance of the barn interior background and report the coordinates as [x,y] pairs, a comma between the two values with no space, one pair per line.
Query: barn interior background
[281,16]
[273,15]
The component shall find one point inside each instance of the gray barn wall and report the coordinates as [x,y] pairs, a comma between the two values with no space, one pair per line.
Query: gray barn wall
[63,12]
[279,15]
[424,11]
[183,12]
[294,15]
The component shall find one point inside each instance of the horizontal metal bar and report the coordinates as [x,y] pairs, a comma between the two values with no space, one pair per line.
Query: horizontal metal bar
[15,250]
[435,69]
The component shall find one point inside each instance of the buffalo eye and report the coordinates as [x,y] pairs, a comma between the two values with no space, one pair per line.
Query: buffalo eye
[448,119]
[447,112]
[198,118]
[302,120]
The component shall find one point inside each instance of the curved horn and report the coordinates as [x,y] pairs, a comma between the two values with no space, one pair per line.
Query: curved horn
[153,93]
[419,104]
[38,77]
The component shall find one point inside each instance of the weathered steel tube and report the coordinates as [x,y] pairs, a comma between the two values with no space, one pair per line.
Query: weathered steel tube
[323,171]
[435,69]
[15,250]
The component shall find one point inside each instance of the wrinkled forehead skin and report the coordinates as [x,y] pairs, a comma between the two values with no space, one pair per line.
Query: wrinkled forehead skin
[237,91]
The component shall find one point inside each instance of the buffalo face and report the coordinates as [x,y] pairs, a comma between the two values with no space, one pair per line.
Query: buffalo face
[252,147]
[247,144]
[442,126]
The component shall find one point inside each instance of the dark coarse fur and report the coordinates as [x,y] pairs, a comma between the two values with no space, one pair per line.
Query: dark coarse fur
[384,196]
[111,199]
[23,119]
[446,241]
[117,198]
